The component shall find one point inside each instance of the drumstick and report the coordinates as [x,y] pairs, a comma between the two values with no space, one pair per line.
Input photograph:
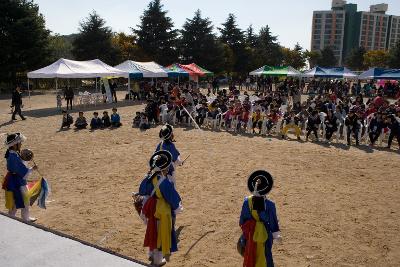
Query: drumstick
[37,168]
[185,159]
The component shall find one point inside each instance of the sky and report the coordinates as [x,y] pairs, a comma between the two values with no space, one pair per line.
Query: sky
[290,20]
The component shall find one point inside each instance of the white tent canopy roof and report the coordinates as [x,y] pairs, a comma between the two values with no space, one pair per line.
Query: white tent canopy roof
[65,68]
[148,69]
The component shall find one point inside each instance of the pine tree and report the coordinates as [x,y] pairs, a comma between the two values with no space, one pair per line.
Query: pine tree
[156,35]
[394,56]
[24,39]
[355,60]
[328,58]
[251,37]
[234,38]
[94,41]
[268,50]
[198,43]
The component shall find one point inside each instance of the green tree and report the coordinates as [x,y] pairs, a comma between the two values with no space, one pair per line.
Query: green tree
[128,47]
[24,40]
[156,35]
[268,51]
[313,57]
[60,47]
[94,41]
[199,44]
[251,37]
[294,58]
[376,59]
[328,58]
[394,56]
[355,60]
[234,37]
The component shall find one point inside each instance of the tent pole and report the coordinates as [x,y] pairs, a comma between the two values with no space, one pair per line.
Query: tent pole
[56,85]
[29,93]
[129,87]
[178,80]
[96,84]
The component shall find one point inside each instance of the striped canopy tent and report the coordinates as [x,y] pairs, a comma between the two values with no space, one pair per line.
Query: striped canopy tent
[380,74]
[335,72]
[196,70]
[285,71]
[175,71]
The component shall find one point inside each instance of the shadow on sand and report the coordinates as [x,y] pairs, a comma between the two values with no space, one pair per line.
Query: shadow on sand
[48,112]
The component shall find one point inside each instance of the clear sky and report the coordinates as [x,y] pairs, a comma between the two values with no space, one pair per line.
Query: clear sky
[290,20]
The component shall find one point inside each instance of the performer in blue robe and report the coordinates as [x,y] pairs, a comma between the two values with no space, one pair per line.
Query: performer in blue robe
[167,137]
[15,182]
[162,198]
[258,214]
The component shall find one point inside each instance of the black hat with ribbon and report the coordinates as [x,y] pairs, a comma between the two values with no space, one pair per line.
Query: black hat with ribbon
[160,160]
[166,132]
[260,183]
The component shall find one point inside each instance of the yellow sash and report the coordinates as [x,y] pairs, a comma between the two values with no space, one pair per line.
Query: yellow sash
[164,217]
[260,236]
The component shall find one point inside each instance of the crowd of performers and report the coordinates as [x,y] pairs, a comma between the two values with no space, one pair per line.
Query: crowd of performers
[158,201]
[329,112]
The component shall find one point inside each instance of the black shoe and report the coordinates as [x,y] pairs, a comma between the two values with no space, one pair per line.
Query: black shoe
[23,119]
[13,119]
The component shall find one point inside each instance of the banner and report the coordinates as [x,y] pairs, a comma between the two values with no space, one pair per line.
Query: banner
[108,90]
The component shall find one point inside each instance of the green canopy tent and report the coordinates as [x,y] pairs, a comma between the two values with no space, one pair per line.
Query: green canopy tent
[285,71]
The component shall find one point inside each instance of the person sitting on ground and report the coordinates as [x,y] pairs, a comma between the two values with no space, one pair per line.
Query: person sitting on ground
[136,120]
[67,120]
[106,121]
[115,119]
[80,122]
[96,122]
[144,122]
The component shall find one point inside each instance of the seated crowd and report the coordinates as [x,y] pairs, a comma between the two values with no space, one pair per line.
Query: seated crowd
[324,114]
[96,122]
[327,112]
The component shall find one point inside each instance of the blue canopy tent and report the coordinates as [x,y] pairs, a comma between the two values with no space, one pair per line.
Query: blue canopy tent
[336,73]
[380,74]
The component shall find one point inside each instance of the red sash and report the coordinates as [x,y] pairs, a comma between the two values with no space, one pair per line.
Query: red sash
[149,208]
[251,246]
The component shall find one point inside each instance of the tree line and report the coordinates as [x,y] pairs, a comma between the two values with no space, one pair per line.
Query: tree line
[26,44]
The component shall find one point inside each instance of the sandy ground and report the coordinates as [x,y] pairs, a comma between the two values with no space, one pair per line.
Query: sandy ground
[337,206]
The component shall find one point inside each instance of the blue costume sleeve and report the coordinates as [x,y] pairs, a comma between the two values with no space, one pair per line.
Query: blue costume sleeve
[172,149]
[170,194]
[15,165]
[146,187]
[269,216]
[245,214]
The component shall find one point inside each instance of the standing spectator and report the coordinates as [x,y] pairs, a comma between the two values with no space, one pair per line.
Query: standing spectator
[69,96]
[113,89]
[17,103]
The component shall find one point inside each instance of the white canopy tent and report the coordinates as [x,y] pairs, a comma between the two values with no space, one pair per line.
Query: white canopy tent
[66,68]
[148,69]
[135,69]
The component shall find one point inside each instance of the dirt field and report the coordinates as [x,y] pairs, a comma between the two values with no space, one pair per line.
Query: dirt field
[337,206]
